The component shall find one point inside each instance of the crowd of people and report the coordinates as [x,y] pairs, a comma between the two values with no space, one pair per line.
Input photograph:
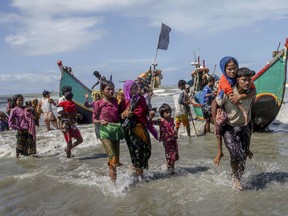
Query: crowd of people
[128,115]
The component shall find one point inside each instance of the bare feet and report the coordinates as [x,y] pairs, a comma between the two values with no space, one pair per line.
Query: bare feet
[118,164]
[250,154]
[236,185]
[217,158]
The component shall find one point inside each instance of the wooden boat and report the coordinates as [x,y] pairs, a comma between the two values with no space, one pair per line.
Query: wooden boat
[78,90]
[270,83]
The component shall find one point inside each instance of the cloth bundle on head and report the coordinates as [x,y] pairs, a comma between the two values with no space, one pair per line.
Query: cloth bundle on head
[127,87]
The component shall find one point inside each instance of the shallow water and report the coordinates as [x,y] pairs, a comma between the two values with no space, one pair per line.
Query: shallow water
[51,184]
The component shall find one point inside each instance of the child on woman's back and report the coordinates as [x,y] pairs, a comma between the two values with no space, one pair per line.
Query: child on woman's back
[229,67]
[168,135]
[68,123]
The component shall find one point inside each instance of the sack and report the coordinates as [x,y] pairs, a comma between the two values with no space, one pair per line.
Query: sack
[206,110]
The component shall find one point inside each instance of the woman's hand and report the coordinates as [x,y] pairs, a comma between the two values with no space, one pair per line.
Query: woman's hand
[218,158]
[103,122]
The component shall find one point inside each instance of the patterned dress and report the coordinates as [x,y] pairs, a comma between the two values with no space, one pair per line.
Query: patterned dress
[169,137]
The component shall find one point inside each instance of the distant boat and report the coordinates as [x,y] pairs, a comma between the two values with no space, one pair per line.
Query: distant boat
[78,90]
[152,78]
[270,83]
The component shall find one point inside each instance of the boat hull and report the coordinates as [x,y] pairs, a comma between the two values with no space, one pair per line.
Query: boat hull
[78,90]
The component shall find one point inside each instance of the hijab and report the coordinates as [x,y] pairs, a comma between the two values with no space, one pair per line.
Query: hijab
[223,63]
[127,87]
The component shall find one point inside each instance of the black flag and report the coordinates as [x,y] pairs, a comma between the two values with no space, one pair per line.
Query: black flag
[164,37]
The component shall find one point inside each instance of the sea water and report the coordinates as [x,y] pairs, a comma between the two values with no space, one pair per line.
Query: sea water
[51,184]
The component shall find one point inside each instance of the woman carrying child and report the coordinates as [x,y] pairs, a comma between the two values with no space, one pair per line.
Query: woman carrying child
[22,120]
[67,123]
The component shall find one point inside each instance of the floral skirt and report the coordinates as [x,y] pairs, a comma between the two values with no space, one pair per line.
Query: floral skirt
[139,145]
[25,144]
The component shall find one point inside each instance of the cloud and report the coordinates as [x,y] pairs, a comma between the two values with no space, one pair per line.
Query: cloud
[52,26]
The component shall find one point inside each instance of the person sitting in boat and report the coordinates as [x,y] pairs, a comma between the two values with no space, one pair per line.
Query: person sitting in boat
[141,83]
[206,98]
[100,78]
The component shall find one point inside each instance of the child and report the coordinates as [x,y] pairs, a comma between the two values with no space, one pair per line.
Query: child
[120,96]
[168,135]
[3,122]
[46,106]
[37,112]
[68,123]
[23,121]
[106,114]
[181,107]
[96,95]
[229,67]
[9,106]
[188,98]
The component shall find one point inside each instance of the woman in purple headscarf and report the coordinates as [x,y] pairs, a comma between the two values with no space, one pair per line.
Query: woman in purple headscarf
[134,111]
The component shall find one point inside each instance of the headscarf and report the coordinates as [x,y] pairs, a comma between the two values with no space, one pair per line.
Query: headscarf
[127,87]
[94,93]
[223,62]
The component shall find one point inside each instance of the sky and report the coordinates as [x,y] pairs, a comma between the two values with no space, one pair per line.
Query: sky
[121,37]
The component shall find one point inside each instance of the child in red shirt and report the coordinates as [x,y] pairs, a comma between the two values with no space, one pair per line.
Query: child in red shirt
[68,123]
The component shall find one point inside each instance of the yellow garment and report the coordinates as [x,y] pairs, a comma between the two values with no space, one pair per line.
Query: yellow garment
[119,99]
[139,131]
[95,93]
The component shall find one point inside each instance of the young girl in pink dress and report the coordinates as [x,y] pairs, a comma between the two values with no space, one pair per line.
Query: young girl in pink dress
[168,135]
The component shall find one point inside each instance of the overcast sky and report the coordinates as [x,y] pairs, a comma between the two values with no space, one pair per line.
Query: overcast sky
[121,37]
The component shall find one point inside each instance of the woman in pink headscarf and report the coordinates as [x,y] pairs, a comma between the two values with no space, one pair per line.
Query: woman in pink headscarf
[134,112]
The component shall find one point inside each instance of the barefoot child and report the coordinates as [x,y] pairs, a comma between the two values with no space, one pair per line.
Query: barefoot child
[229,67]
[168,135]
[68,123]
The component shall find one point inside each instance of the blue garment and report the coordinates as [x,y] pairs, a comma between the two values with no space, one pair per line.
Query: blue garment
[4,126]
[206,100]
[223,62]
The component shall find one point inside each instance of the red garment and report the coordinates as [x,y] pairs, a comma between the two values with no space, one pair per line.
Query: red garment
[140,112]
[68,106]
[226,86]
[72,132]
[106,110]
